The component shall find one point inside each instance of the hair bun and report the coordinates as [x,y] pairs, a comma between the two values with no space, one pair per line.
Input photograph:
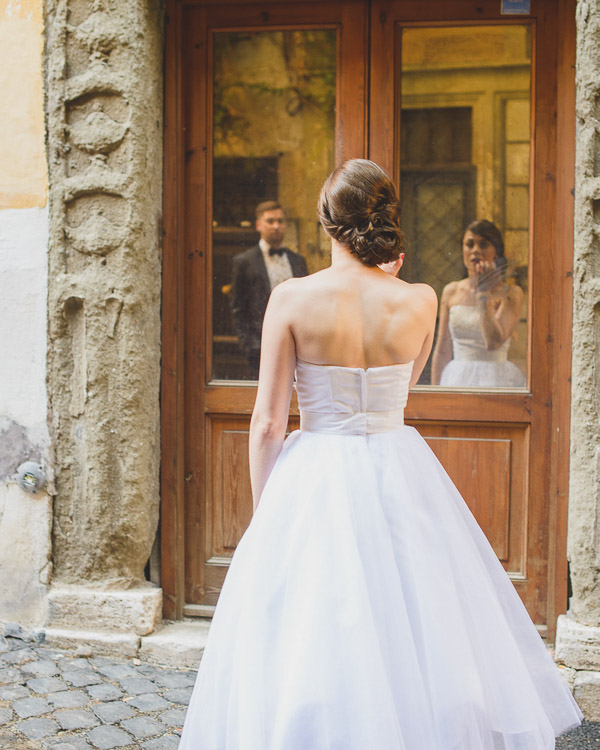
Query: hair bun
[359,208]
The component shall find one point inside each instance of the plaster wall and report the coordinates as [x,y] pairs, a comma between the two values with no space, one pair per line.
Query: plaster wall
[25,519]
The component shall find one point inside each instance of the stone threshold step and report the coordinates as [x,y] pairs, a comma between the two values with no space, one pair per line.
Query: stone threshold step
[172,644]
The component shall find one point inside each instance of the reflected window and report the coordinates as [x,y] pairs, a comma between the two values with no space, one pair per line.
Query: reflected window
[274,104]
[464,158]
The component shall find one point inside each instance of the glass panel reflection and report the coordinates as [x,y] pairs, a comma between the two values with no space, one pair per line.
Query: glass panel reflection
[274,102]
[464,158]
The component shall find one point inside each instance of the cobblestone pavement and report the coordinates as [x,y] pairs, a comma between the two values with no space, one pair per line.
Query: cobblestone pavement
[51,699]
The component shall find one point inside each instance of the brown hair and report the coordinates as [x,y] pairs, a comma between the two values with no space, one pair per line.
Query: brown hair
[490,232]
[268,206]
[359,207]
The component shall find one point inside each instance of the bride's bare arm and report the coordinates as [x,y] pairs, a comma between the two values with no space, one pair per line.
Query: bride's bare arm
[442,354]
[275,381]
[499,322]
[430,305]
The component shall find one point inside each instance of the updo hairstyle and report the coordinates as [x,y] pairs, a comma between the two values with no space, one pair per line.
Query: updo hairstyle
[359,208]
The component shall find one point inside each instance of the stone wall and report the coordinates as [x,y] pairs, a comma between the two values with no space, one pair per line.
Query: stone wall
[578,637]
[104,79]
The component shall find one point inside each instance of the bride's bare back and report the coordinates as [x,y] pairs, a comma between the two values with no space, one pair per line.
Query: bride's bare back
[352,314]
[358,317]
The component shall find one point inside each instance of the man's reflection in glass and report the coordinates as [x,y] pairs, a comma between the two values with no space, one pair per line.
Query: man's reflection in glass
[256,272]
[478,316]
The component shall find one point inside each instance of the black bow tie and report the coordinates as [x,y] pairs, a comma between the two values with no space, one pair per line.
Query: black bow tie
[276,251]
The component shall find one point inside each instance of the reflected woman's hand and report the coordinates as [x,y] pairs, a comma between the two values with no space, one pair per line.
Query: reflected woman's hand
[486,276]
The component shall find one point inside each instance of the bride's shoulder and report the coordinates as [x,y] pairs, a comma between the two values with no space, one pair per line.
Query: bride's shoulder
[421,293]
[293,291]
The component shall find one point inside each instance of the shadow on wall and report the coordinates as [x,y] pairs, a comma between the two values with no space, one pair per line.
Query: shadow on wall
[15,447]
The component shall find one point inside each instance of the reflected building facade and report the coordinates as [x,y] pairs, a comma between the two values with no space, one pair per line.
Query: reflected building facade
[274,112]
[465,133]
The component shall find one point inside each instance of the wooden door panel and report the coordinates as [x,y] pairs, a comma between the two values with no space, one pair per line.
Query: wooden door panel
[480,469]
[229,464]
[488,465]
[229,511]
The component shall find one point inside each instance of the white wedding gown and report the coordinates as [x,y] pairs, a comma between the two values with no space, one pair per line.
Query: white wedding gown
[472,364]
[364,608]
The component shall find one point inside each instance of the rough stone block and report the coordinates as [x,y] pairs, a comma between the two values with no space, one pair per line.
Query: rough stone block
[71,664]
[586,691]
[109,737]
[179,695]
[178,644]
[105,692]
[40,668]
[12,692]
[36,729]
[81,677]
[76,718]
[45,685]
[577,645]
[6,715]
[144,727]
[137,685]
[19,656]
[174,717]
[136,610]
[568,676]
[113,711]
[149,702]
[69,699]
[168,742]
[26,707]
[9,675]
[117,671]
[176,679]
[109,644]
[68,743]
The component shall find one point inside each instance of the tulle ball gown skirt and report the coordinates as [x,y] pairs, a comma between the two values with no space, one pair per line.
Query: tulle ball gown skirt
[365,610]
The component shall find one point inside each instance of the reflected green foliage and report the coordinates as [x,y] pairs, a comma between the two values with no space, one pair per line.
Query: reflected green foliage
[289,71]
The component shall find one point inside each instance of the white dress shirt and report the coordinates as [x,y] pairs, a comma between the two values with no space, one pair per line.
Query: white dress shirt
[278,266]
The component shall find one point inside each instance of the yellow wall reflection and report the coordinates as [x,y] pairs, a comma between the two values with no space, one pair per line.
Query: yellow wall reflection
[465,150]
[274,104]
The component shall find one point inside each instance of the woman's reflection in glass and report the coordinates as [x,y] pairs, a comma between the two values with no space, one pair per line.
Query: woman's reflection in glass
[478,316]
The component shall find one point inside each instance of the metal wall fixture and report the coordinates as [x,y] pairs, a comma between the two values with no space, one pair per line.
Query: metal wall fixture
[31,477]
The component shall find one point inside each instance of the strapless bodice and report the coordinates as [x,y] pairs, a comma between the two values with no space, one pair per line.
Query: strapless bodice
[467,340]
[352,400]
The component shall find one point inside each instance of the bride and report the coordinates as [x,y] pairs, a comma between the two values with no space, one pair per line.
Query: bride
[364,609]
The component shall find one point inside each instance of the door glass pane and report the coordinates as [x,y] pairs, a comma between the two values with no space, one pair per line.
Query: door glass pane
[274,104]
[465,137]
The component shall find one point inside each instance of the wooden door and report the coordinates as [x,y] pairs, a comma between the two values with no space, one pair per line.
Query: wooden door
[506,450]
[303,67]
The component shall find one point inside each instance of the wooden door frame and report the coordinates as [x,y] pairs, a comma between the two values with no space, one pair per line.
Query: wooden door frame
[423,407]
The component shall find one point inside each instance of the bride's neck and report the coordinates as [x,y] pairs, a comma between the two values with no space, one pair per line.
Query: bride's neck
[342,257]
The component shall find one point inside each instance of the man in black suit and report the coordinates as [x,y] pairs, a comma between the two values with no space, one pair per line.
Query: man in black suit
[256,272]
